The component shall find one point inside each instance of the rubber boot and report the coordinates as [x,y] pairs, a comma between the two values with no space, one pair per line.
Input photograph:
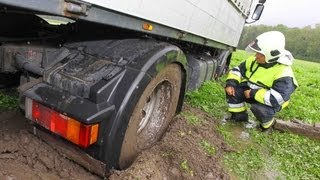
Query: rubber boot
[239,116]
[270,127]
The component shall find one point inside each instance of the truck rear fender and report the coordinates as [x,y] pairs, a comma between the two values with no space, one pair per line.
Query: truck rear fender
[150,64]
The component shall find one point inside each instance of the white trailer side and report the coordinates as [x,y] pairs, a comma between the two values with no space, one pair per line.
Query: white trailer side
[213,23]
[218,20]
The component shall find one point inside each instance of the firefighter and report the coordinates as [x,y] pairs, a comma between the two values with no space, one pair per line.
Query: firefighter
[265,80]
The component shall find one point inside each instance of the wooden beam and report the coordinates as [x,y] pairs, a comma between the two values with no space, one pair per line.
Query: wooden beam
[297,127]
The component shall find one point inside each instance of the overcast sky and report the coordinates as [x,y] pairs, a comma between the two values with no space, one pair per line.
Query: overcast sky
[292,13]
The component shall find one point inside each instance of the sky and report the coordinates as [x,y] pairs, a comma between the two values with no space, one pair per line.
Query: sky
[292,13]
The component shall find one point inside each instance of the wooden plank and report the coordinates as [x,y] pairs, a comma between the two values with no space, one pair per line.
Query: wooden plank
[298,127]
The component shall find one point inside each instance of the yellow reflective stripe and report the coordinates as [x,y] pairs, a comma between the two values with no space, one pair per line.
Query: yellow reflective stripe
[259,96]
[285,104]
[241,109]
[268,124]
[233,76]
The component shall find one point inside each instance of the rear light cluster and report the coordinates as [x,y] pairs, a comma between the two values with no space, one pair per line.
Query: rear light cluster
[81,134]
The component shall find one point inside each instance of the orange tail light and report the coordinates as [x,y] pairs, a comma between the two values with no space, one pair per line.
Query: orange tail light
[81,134]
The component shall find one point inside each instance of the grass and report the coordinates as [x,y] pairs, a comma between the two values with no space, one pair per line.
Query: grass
[285,155]
[305,104]
[191,118]
[205,98]
[8,100]
[298,156]
[186,168]
[208,148]
[279,155]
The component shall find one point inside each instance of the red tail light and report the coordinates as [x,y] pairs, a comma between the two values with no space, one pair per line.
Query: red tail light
[72,130]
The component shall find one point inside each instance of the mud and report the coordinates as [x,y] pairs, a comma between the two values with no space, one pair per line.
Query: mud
[24,156]
[178,155]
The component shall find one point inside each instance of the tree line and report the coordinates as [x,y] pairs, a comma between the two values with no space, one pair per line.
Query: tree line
[303,43]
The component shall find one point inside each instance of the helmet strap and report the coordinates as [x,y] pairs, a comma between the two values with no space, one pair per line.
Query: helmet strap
[273,60]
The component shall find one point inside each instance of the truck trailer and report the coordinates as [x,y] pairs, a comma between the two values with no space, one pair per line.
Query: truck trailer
[100,80]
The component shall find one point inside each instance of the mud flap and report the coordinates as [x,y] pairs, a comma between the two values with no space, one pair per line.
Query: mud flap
[72,152]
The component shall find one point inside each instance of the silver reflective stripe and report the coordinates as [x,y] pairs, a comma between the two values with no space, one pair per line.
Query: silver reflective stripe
[253,86]
[236,105]
[237,73]
[277,96]
[267,98]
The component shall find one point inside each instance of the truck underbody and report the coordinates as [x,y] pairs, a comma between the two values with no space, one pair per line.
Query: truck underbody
[109,90]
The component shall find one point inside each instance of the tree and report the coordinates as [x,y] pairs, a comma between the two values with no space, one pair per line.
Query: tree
[304,43]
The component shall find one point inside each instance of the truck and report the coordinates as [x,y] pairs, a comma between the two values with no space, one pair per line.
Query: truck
[100,80]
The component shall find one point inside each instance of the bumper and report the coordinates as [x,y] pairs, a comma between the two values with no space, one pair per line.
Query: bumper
[73,153]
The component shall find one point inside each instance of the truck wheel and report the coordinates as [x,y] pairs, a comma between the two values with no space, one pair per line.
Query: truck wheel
[224,65]
[152,114]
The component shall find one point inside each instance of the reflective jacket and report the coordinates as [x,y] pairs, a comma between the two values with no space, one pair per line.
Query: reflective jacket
[271,84]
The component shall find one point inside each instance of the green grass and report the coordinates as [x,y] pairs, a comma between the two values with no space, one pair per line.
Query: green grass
[298,157]
[206,98]
[186,168]
[191,118]
[208,148]
[285,155]
[282,155]
[8,100]
[305,102]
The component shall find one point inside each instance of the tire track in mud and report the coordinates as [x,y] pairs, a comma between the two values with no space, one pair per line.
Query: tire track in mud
[24,156]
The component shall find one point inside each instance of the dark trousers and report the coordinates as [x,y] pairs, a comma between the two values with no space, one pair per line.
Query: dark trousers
[237,103]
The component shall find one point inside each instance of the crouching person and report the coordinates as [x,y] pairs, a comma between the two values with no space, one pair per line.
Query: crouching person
[265,80]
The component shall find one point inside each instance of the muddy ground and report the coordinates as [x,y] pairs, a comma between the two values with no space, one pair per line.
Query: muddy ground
[178,155]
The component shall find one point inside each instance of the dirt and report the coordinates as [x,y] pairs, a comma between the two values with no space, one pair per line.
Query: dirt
[178,155]
[24,156]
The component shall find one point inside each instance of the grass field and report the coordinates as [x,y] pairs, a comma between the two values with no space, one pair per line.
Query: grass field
[277,155]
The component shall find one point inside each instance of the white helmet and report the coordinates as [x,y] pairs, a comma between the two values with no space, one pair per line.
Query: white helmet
[271,44]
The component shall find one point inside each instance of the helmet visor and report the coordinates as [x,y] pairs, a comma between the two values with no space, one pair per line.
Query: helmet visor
[253,47]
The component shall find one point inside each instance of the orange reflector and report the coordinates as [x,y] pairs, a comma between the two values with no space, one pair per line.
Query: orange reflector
[74,131]
[94,133]
[147,26]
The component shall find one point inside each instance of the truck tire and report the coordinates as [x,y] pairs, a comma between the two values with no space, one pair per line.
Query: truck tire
[152,113]
[224,65]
